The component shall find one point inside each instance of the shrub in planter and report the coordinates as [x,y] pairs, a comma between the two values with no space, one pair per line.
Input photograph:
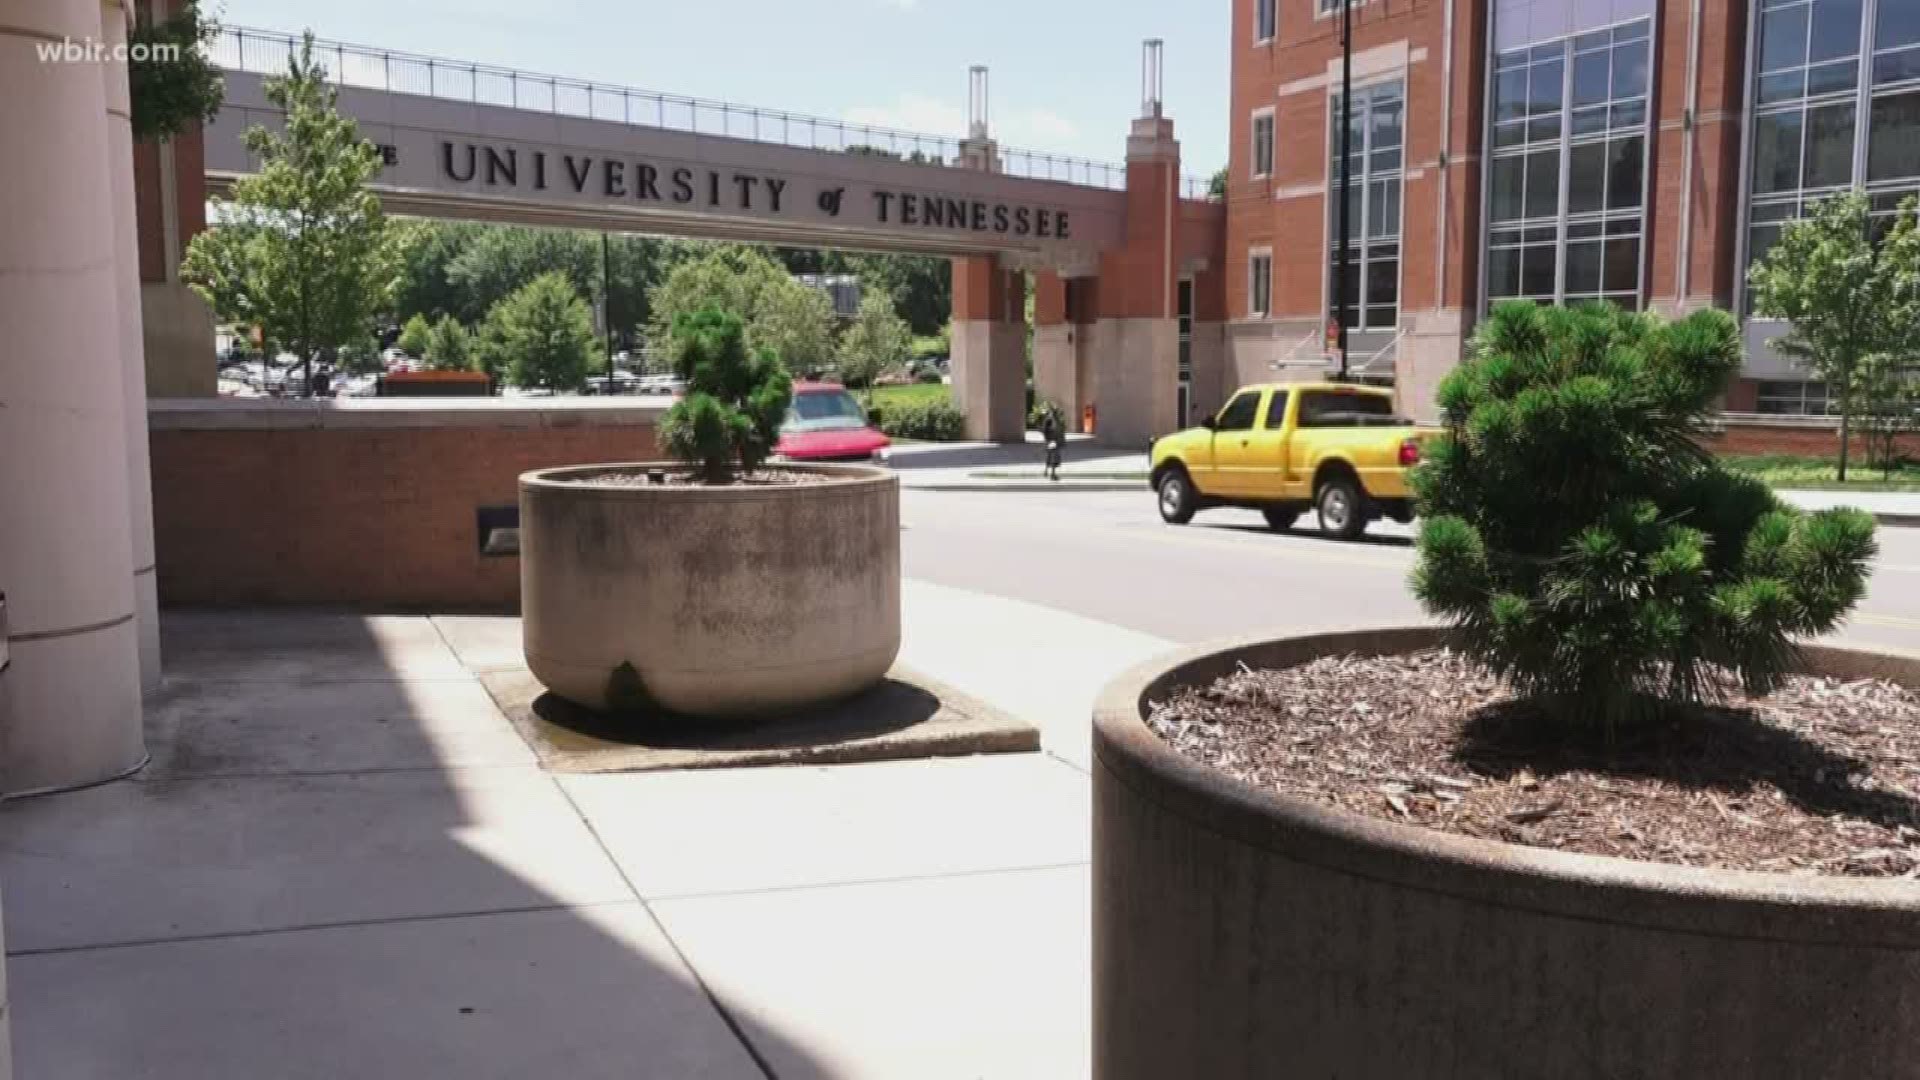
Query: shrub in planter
[1582,543]
[734,403]
[928,421]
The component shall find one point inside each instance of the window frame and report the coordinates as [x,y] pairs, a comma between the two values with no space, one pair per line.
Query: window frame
[1264,309]
[1365,180]
[1266,113]
[1253,417]
[1279,400]
[1269,12]
[1566,132]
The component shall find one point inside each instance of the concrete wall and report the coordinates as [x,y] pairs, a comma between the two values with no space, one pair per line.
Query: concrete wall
[367,504]
[178,330]
[1135,380]
[1241,933]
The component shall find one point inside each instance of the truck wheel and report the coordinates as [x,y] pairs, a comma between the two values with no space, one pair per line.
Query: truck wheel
[1176,497]
[1280,519]
[1342,508]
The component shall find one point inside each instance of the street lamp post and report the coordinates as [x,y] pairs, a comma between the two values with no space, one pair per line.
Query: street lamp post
[1342,301]
[606,302]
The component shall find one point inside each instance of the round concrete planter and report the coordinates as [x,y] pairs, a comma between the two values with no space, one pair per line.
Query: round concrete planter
[709,601]
[1239,933]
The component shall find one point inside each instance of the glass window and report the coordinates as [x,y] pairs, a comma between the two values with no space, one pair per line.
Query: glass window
[1783,38]
[1587,179]
[1508,178]
[1836,30]
[1260,285]
[1625,168]
[1829,146]
[1336,408]
[1776,152]
[1277,410]
[1583,269]
[1543,183]
[1263,144]
[1373,198]
[1893,143]
[1897,24]
[1264,11]
[1239,413]
[1591,143]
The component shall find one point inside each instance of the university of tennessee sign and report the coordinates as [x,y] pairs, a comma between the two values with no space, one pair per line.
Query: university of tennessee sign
[612,177]
[490,162]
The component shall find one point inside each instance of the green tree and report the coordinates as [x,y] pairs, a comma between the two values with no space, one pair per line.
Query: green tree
[545,333]
[414,336]
[877,342]
[171,81]
[778,313]
[302,250]
[1582,543]
[1217,186]
[450,346]
[1843,293]
[736,398]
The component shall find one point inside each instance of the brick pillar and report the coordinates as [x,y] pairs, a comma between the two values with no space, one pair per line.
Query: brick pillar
[989,361]
[1693,212]
[1137,339]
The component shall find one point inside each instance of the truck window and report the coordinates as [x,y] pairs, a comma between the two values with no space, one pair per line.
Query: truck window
[1344,408]
[1239,413]
[1277,411]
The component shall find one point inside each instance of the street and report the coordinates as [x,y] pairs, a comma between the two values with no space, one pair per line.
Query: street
[1107,556]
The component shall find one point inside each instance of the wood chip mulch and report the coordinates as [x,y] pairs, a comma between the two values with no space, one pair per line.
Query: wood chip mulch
[672,478]
[1819,778]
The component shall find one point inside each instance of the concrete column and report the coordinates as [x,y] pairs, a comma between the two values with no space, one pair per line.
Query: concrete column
[989,361]
[133,364]
[1056,362]
[65,544]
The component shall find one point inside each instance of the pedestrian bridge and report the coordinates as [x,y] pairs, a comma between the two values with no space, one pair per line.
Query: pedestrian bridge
[472,141]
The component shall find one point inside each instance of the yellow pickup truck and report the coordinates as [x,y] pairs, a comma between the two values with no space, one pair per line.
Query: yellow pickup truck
[1284,447]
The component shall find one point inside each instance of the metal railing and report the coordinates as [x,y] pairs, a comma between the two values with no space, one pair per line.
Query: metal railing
[265,52]
[1368,369]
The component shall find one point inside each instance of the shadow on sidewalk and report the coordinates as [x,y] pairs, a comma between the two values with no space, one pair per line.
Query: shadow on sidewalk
[342,863]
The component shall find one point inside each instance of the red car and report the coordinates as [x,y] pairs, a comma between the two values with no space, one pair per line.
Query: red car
[825,423]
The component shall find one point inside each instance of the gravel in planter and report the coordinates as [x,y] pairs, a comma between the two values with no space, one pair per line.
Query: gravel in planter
[1819,777]
[685,478]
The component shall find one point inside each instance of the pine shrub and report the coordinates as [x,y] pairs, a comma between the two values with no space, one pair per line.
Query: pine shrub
[1582,543]
[735,400]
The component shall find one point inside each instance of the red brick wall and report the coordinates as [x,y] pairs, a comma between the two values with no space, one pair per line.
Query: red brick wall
[370,519]
[1295,226]
[1739,438]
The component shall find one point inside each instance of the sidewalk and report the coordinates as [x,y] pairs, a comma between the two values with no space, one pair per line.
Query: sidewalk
[344,862]
[1893,508]
[1087,467]
[1084,466]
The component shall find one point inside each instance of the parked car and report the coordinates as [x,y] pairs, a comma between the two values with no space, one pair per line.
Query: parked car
[1282,448]
[825,423]
[621,382]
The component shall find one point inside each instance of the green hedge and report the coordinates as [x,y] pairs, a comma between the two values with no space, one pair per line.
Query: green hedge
[926,421]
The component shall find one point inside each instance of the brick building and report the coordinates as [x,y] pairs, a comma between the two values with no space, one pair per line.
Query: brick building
[1639,151]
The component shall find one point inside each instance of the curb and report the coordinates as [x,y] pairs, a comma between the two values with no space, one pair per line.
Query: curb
[1035,486]
[1899,521]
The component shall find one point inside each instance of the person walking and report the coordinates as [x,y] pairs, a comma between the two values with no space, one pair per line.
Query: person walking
[1052,433]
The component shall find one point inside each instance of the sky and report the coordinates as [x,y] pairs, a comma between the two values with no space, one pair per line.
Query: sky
[1065,74]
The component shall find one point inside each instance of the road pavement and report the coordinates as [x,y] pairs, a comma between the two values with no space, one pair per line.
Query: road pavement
[1107,556]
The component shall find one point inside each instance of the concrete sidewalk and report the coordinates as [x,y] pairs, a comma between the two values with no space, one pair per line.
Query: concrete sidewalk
[1895,508]
[344,862]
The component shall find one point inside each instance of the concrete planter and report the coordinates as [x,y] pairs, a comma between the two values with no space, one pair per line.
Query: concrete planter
[709,601]
[1238,933]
